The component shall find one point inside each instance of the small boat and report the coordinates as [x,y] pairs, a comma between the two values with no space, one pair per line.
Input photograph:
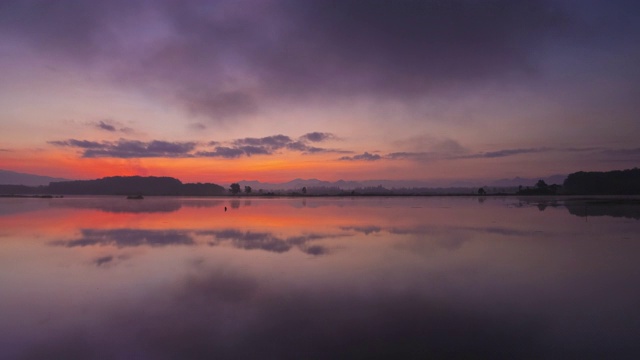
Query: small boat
[135,197]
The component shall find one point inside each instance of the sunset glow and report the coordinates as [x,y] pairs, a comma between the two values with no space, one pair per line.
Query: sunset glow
[223,91]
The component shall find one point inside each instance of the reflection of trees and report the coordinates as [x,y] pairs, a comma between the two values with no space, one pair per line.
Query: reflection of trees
[619,182]
[201,203]
[541,188]
[615,208]
[119,205]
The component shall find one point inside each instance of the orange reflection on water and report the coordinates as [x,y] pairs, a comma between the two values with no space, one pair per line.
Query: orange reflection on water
[56,217]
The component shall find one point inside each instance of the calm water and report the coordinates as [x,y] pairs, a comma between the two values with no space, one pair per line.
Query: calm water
[171,278]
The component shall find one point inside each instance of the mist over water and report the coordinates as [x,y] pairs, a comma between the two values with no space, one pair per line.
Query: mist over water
[436,277]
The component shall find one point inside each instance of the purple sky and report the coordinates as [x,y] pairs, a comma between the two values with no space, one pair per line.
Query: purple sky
[273,90]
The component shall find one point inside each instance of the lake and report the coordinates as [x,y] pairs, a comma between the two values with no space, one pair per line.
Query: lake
[304,278]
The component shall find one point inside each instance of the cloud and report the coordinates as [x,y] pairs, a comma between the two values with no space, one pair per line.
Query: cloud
[249,146]
[365,156]
[197,126]
[219,105]
[317,136]
[270,142]
[112,126]
[103,260]
[268,145]
[222,151]
[431,156]
[129,148]
[427,148]
[83,144]
[229,60]
[104,126]
[421,156]
[622,154]
[507,152]
[520,151]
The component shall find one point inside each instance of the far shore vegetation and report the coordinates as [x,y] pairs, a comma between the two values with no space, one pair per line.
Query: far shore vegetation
[619,182]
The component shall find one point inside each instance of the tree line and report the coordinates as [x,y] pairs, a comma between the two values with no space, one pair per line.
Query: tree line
[120,185]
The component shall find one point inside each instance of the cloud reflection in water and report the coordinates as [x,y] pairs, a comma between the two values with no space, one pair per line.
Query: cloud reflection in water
[128,238]
[246,240]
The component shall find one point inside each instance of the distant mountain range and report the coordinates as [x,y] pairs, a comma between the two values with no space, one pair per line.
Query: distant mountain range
[517,181]
[298,184]
[16,178]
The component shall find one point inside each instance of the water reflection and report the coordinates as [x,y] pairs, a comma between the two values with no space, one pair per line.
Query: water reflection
[247,240]
[119,205]
[336,278]
[128,237]
[266,241]
[629,209]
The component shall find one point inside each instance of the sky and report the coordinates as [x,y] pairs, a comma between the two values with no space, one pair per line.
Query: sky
[273,90]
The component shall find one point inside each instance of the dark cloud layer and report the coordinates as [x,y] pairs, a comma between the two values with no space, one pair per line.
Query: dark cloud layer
[127,149]
[112,126]
[271,145]
[508,152]
[317,136]
[104,126]
[228,58]
[268,145]
[467,154]
[364,156]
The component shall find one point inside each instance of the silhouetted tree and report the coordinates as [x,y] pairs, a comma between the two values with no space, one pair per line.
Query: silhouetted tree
[304,190]
[541,184]
[618,182]
[247,189]
[234,188]
[481,191]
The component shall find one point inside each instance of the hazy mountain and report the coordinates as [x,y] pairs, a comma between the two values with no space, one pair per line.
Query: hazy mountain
[298,184]
[517,181]
[16,178]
